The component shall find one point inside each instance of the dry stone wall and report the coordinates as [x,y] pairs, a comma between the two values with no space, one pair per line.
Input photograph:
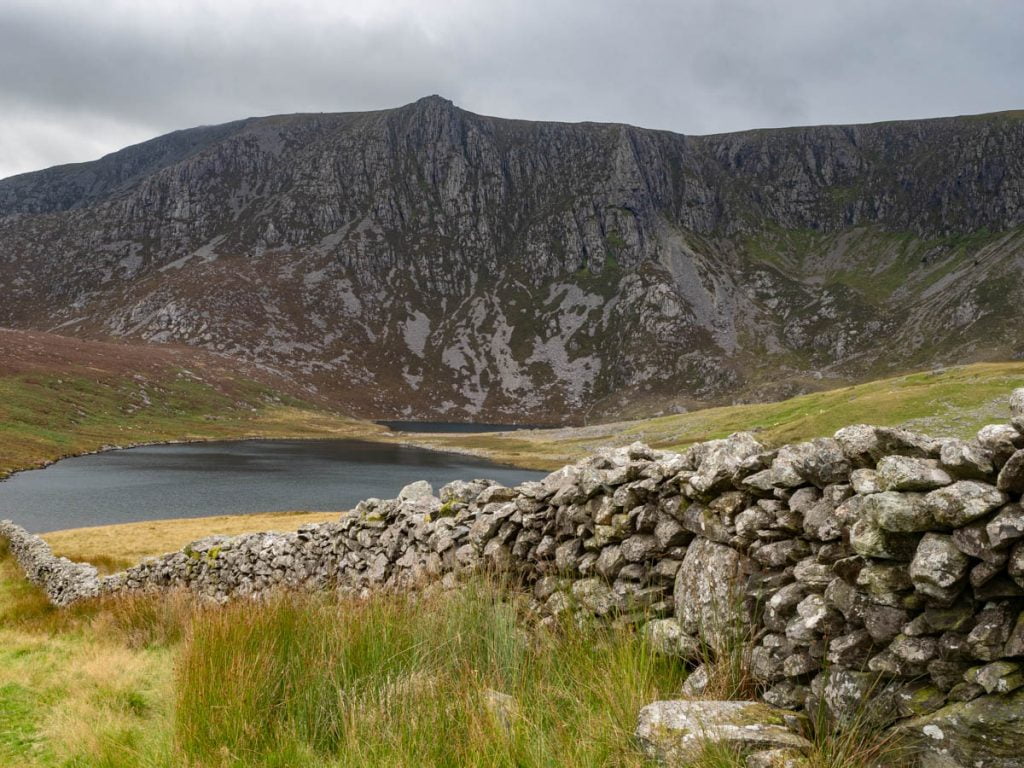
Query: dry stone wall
[878,563]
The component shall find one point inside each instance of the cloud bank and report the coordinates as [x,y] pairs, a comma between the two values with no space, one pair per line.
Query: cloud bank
[82,79]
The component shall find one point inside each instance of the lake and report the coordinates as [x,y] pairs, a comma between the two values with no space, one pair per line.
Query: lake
[229,477]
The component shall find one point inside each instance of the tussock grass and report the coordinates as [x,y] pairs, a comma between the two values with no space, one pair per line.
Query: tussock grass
[411,682]
[73,690]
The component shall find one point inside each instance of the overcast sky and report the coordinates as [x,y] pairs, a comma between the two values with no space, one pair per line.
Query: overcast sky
[81,78]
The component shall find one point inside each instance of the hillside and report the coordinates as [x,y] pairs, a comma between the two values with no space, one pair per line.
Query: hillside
[427,262]
[61,396]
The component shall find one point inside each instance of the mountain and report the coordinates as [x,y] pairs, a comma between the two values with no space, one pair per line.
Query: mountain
[429,262]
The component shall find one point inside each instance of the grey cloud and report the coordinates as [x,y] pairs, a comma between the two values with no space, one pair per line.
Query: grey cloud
[80,79]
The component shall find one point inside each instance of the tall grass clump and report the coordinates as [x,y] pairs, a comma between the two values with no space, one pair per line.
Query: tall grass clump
[459,678]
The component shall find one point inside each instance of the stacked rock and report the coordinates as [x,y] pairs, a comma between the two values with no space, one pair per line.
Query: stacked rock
[64,581]
[878,562]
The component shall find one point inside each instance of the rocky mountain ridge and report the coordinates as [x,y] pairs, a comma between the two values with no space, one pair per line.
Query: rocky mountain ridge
[429,262]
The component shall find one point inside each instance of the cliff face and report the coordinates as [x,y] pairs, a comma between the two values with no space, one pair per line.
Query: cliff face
[429,262]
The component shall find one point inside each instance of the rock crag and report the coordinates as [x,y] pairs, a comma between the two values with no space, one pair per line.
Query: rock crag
[428,262]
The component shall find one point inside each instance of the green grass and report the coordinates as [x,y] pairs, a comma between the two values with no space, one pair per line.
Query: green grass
[47,416]
[316,681]
[400,682]
[953,401]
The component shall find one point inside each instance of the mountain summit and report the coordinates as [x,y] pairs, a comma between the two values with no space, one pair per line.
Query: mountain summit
[428,262]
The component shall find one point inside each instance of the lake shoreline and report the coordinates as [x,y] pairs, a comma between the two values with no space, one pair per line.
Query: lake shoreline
[189,479]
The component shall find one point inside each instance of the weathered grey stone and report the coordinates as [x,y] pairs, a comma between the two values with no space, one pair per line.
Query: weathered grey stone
[1015,563]
[865,481]
[864,445]
[676,732]
[969,461]
[1011,476]
[639,548]
[666,637]
[973,540]
[991,631]
[882,581]
[609,562]
[963,502]
[421,489]
[708,593]
[915,650]
[852,696]
[777,758]
[867,538]
[899,512]
[670,533]
[1007,526]
[821,522]
[1001,440]
[986,732]
[596,596]
[1017,408]
[721,461]
[1000,676]
[851,650]
[939,568]
[901,473]
[696,683]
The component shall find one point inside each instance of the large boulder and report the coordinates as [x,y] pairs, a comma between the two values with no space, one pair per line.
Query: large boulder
[709,593]
[987,732]
[719,461]
[676,732]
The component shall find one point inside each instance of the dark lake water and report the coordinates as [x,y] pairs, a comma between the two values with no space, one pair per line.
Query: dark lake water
[231,477]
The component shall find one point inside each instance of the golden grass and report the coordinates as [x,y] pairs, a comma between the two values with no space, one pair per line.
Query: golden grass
[73,691]
[952,401]
[114,547]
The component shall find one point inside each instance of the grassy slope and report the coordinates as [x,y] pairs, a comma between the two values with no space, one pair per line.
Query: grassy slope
[61,397]
[952,401]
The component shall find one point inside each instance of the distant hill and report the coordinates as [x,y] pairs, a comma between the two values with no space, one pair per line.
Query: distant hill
[427,262]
